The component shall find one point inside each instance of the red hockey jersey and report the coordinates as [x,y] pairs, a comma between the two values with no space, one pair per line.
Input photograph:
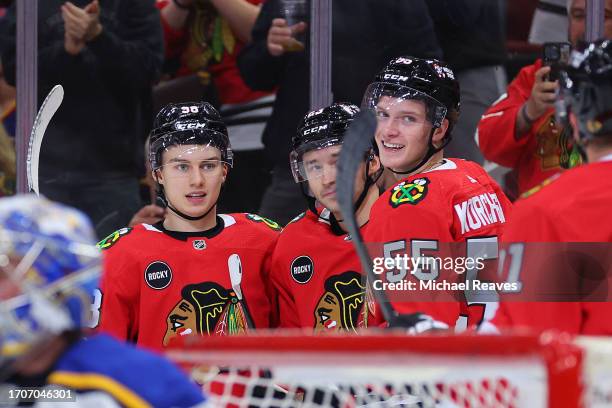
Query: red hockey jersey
[423,215]
[573,208]
[317,274]
[537,155]
[158,285]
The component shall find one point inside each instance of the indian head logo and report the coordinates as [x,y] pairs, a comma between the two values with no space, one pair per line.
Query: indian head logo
[555,147]
[208,308]
[342,305]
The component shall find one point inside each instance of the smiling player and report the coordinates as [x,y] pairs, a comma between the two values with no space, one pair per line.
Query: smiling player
[432,202]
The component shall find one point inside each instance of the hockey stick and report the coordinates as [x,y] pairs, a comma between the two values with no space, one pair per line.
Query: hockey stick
[357,142]
[48,108]
[235,270]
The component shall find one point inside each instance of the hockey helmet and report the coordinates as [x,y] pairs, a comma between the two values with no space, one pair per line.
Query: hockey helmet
[190,123]
[319,129]
[428,80]
[586,90]
[49,268]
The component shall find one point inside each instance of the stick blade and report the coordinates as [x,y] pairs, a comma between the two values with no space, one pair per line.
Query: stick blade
[48,108]
[357,142]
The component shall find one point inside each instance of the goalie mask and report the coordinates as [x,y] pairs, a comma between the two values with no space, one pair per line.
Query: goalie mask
[49,270]
[586,90]
[191,127]
[321,129]
[429,81]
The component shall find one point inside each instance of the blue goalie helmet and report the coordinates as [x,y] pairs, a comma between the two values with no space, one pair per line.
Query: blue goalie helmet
[49,270]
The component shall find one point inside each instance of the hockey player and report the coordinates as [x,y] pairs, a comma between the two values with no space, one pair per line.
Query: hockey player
[49,267]
[574,208]
[314,266]
[196,272]
[434,201]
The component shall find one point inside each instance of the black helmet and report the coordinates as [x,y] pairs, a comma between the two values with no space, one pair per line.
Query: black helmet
[196,123]
[429,80]
[320,129]
[586,89]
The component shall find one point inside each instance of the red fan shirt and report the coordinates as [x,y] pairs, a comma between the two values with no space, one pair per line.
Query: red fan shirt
[575,208]
[422,216]
[317,274]
[537,155]
[158,285]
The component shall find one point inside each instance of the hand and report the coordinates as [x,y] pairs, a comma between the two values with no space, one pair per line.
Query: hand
[543,94]
[417,323]
[149,214]
[82,24]
[281,37]
[72,45]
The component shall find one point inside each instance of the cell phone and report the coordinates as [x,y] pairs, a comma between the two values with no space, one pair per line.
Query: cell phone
[556,55]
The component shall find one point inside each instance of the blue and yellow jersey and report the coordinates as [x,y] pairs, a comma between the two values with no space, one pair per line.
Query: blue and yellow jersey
[132,377]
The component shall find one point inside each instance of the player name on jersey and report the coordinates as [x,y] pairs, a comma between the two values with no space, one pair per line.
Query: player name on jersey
[479,211]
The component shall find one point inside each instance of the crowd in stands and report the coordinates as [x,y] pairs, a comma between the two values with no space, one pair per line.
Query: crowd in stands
[242,57]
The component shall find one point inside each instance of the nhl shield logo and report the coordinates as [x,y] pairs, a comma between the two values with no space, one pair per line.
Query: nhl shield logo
[199,244]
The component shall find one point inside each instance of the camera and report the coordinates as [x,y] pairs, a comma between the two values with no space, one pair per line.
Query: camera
[556,55]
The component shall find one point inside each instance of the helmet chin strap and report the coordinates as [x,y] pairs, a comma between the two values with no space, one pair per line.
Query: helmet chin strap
[189,217]
[431,150]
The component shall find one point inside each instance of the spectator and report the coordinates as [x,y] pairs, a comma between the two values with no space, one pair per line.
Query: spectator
[382,28]
[471,34]
[202,41]
[106,56]
[572,278]
[519,130]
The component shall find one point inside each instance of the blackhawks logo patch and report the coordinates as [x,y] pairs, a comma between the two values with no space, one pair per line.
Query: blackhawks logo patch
[412,192]
[113,238]
[272,224]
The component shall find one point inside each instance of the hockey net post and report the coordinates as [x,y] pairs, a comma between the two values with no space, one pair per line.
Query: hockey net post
[375,370]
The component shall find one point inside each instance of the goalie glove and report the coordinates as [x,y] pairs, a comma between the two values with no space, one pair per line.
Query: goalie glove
[417,323]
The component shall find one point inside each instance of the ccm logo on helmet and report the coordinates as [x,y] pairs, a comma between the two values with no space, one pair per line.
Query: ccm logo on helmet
[395,77]
[315,129]
[189,126]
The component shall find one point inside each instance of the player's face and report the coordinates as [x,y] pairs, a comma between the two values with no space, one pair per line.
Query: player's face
[180,322]
[328,315]
[577,21]
[320,166]
[402,133]
[192,176]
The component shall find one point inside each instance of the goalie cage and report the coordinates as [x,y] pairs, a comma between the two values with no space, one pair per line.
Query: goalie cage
[275,370]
